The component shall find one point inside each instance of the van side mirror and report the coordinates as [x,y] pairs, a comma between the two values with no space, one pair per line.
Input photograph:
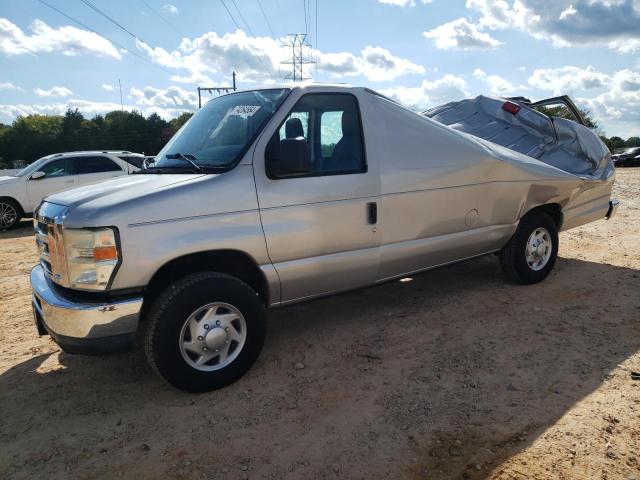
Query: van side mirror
[38,175]
[288,158]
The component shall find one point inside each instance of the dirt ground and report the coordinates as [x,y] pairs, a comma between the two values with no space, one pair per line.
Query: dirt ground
[455,374]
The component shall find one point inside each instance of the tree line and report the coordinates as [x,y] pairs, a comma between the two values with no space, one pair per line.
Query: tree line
[34,136]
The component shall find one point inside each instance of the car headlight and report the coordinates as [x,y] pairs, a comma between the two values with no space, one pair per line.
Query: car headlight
[92,257]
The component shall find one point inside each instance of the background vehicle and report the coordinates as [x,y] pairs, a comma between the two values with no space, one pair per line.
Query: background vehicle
[21,192]
[629,157]
[275,196]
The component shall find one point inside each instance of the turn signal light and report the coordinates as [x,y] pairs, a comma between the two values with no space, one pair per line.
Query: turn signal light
[102,254]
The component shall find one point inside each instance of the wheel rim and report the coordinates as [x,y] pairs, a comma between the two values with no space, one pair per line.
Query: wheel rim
[539,247]
[8,215]
[213,336]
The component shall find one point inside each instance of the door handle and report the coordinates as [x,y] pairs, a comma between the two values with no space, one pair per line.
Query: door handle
[372,213]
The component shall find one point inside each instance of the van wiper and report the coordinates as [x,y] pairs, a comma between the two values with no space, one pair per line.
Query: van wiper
[180,156]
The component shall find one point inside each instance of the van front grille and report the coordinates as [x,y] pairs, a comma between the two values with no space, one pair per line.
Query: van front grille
[48,229]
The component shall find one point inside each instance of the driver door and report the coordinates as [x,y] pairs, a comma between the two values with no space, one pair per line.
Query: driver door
[320,226]
[58,176]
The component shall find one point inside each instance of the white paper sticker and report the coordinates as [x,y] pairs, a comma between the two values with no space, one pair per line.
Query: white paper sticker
[245,110]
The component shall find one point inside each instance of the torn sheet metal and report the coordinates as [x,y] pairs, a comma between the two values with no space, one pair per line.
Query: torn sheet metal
[514,124]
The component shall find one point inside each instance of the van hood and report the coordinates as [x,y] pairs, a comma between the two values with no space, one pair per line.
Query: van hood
[151,198]
[118,190]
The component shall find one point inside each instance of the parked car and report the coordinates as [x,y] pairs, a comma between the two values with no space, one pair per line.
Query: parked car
[21,192]
[629,157]
[275,196]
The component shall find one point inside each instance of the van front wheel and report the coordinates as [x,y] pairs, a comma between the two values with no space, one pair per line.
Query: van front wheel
[205,331]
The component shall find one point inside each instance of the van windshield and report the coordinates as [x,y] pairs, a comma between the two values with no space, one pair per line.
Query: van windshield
[221,132]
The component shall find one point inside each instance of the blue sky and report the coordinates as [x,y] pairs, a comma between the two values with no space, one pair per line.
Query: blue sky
[423,53]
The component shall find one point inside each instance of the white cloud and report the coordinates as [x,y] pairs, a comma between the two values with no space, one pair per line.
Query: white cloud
[53,92]
[619,104]
[402,3]
[166,103]
[568,80]
[498,85]
[460,34]
[173,98]
[430,93]
[108,88]
[9,112]
[254,58]
[171,8]
[375,63]
[568,12]
[67,40]
[498,14]
[611,23]
[9,86]
[625,46]
[257,59]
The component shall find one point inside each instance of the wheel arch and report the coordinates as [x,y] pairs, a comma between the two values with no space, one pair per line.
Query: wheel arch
[554,210]
[232,262]
[14,200]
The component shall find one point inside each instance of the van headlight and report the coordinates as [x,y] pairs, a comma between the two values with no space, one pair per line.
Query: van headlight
[92,257]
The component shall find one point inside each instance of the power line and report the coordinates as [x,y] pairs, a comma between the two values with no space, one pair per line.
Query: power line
[315,38]
[230,16]
[262,60]
[83,25]
[242,17]
[92,6]
[265,18]
[306,27]
[177,30]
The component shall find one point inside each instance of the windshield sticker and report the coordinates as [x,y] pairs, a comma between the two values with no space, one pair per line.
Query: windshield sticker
[244,110]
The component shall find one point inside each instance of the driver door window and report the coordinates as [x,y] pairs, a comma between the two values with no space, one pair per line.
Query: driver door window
[331,126]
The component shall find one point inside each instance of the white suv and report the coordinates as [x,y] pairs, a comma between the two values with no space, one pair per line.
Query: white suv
[21,192]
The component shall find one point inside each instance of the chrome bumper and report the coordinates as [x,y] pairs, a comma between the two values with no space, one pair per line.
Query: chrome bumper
[77,324]
[613,208]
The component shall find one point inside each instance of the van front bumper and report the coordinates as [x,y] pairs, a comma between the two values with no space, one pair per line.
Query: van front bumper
[81,326]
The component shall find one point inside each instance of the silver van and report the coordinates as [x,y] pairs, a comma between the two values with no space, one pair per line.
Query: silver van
[273,196]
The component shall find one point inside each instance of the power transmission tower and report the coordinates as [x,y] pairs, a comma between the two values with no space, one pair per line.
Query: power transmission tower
[218,90]
[297,42]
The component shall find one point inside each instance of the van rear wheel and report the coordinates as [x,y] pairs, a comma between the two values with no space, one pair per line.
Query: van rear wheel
[532,251]
[205,331]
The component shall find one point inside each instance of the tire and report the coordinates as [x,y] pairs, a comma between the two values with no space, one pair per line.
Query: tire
[10,213]
[516,265]
[184,309]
